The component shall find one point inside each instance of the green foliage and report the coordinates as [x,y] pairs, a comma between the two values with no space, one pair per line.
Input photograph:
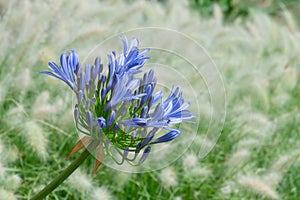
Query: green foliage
[228,7]
[238,8]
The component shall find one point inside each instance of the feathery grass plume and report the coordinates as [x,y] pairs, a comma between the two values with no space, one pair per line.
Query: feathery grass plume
[285,161]
[60,104]
[205,108]
[2,170]
[8,153]
[154,11]
[174,9]
[267,29]
[248,143]
[164,151]
[218,14]
[11,153]
[256,124]
[257,185]
[13,182]
[36,138]
[203,142]
[225,190]
[7,195]
[24,80]
[38,188]
[15,116]
[65,120]
[63,110]
[80,181]
[196,194]
[228,188]
[255,93]
[252,29]
[8,181]
[121,179]
[272,178]
[189,160]
[280,98]
[199,172]
[260,93]
[1,147]
[178,198]
[288,79]
[238,158]
[42,108]
[168,177]
[290,20]
[193,169]
[101,193]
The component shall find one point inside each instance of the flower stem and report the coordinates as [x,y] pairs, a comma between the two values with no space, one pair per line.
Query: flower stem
[67,172]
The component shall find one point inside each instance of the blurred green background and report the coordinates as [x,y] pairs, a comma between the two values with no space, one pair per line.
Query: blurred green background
[255,45]
[239,8]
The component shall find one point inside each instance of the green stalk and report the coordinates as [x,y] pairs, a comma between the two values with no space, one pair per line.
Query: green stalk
[67,172]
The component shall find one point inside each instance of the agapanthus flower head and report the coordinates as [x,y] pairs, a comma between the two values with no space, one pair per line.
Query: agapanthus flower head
[118,107]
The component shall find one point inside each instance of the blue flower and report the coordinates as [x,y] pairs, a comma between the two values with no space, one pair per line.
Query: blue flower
[67,71]
[119,108]
[167,137]
[171,111]
[122,91]
[131,59]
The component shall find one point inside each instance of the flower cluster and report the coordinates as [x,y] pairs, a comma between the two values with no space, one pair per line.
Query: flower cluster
[119,108]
